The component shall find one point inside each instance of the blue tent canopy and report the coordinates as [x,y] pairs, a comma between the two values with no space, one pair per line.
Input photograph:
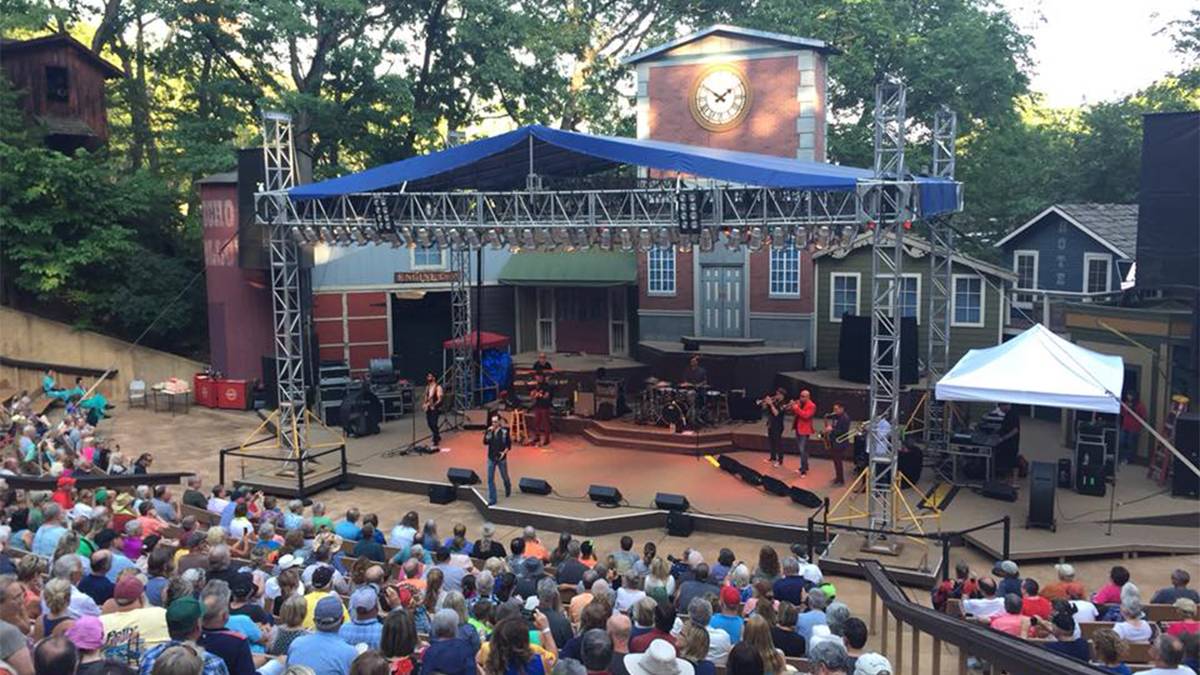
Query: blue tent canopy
[501,163]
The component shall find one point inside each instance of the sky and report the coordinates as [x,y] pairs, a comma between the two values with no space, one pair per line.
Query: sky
[1086,51]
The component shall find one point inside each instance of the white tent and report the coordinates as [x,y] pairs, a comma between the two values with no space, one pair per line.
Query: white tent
[1037,367]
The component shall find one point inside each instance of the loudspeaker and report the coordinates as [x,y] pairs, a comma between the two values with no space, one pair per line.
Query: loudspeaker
[585,404]
[534,486]
[680,524]
[475,418]
[441,494]
[1066,479]
[1042,479]
[728,464]
[671,502]
[606,411]
[1090,480]
[854,349]
[1184,483]
[459,476]
[774,486]
[999,490]
[742,407]
[1167,245]
[750,476]
[604,494]
[804,497]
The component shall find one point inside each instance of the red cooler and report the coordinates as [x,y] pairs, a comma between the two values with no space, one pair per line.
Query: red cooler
[203,391]
[231,394]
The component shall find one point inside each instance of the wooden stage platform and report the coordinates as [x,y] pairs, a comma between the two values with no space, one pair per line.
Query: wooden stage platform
[641,461]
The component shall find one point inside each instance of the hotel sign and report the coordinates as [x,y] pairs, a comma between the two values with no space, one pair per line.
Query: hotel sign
[428,277]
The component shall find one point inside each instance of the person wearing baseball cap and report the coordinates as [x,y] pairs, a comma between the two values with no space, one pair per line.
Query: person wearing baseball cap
[322,587]
[183,625]
[730,618]
[324,650]
[1187,614]
[364,628]
[87,634]
[872,663]
[132,611]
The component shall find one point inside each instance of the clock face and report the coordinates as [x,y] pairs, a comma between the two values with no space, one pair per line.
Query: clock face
[720,98]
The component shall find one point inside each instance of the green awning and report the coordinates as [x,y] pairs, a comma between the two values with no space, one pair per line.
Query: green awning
[590,268]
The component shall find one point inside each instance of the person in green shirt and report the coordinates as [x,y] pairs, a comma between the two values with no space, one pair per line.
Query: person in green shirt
[319,519]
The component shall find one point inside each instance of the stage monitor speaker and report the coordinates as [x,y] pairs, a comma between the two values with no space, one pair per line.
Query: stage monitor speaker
[534,486]
[680,524]
[585,404]
[1091,481]
[854,349]
[1066,479]
[605,494]
[804,497]
[999,490]
[775,486]
[441,494]
[728,464]
[1184,483]
[1042,480]
[750,476]
[667,501]
[476,418]
[460,476]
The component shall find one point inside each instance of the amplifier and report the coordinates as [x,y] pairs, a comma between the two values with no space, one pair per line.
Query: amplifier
[585,404]
[608,388]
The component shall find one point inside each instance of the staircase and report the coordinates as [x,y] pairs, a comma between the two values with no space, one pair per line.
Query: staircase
[657,439]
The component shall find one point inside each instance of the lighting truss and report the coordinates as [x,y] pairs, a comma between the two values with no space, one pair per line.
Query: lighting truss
[941,244]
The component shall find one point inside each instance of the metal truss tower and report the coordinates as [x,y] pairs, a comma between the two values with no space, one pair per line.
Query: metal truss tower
[280,161]
[941,242]
[888,206]
[459,372]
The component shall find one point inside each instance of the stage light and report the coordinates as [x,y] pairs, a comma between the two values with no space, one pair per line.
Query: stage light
[455,239]
[460,476]
[404,236]
[344,237]
[663,238]
[543,238]
[756,239]
[778,238]
[581,237]
[847,235]
[422,238]
[297,235]
[824,236]
[605,495]
[626,240]
[645,241]
[473,238]
[685,243]
[357,235]
[311,234]
[527,239]
[492,237]
[606,238]
[800,237]
[534,486]
[439,236]
[707,240]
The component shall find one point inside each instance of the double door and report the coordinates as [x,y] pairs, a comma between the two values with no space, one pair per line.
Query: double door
[722,300]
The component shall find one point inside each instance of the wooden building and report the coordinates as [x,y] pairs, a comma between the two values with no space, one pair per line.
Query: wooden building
[63,86]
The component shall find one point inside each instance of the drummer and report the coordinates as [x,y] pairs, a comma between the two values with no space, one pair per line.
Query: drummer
[694,375]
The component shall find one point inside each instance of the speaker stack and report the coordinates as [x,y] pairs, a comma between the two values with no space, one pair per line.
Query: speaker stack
[1042,480]
[1184,483]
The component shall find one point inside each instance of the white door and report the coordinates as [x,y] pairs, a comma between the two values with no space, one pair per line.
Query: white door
[545,319]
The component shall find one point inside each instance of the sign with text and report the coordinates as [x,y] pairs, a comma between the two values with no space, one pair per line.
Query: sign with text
[427,277]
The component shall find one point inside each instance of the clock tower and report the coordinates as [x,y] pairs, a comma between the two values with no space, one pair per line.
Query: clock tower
[736,89]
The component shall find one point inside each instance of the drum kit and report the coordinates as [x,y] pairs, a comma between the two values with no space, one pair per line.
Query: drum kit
[679,406]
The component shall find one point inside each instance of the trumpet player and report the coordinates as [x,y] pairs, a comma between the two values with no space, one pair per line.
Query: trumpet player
[772,405]
[837,426]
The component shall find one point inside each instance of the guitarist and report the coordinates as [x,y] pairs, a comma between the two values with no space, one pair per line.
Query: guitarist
[498,442]
[433,408]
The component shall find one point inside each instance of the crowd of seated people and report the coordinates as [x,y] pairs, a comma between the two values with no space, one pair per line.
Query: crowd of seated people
[230,582]
[1112,628]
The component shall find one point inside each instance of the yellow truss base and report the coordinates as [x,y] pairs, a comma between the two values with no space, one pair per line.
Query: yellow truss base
[904,516]
[298,438]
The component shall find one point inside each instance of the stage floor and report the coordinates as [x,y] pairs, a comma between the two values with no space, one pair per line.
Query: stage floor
[1146,518]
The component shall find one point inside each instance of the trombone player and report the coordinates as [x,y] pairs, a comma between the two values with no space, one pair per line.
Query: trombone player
[773,405]
[837,433]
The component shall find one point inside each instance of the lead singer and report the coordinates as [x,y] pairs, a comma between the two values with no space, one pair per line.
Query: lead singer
[498,442]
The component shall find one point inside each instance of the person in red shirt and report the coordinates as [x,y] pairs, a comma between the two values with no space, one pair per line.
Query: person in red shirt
[804,409]
[1033,604]
[1131,428]
[64,494]
[664,621]
[1012,621]
[1066,587]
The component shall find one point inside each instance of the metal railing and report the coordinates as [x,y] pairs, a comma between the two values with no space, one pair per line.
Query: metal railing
[1001,650]
[287,469]
[1048,308]
[819,519]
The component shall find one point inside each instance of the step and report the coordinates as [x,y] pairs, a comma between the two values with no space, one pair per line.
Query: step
[683,444]
[652,431]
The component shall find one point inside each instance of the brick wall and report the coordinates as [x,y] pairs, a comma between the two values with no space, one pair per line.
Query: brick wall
[760,285]
[683,285]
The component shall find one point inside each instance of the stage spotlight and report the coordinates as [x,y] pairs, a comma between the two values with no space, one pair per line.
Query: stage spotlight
[775,486]
[454,238]
[666,501]
[733,239]
[800,237]
[528,240]
[645,241]
[728,464]
[663,238]
[298,235]
[707,240]
[404,236]
[422,238]
[492,238]
[824,235]
[606,238]
[439,236]
[605,495]
[534,486]
[358,236]
[626,240]
[685,243]
[756,239]
[847,236]
[472,238]
[460,476]
[778,238]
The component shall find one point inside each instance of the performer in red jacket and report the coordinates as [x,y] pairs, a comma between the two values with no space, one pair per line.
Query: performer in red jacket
[804,409]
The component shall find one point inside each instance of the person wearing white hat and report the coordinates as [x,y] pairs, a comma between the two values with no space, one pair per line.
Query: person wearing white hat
[872,664]
[658,659]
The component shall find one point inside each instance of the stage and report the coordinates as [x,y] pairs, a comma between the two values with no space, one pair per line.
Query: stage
[641,461]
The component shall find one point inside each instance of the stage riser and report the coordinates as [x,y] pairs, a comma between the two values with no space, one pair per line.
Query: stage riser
[853,395]
[655,445]
[753,372]
[658,439]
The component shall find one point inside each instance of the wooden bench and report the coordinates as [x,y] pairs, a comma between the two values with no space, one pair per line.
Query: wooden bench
[1160,612]
[1088,628]
[203,516]
[42,403]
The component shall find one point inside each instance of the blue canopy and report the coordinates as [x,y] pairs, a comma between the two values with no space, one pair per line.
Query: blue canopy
[501,163]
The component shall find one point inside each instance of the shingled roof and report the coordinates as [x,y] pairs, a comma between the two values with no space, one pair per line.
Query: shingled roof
[1114,225]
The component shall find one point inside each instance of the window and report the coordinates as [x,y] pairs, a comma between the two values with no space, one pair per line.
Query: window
[1097,271]
[967,301]
[910,296]
[57,84]
[785,272]
[660,271]
[1025,266]
[427,256]
[843,295]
